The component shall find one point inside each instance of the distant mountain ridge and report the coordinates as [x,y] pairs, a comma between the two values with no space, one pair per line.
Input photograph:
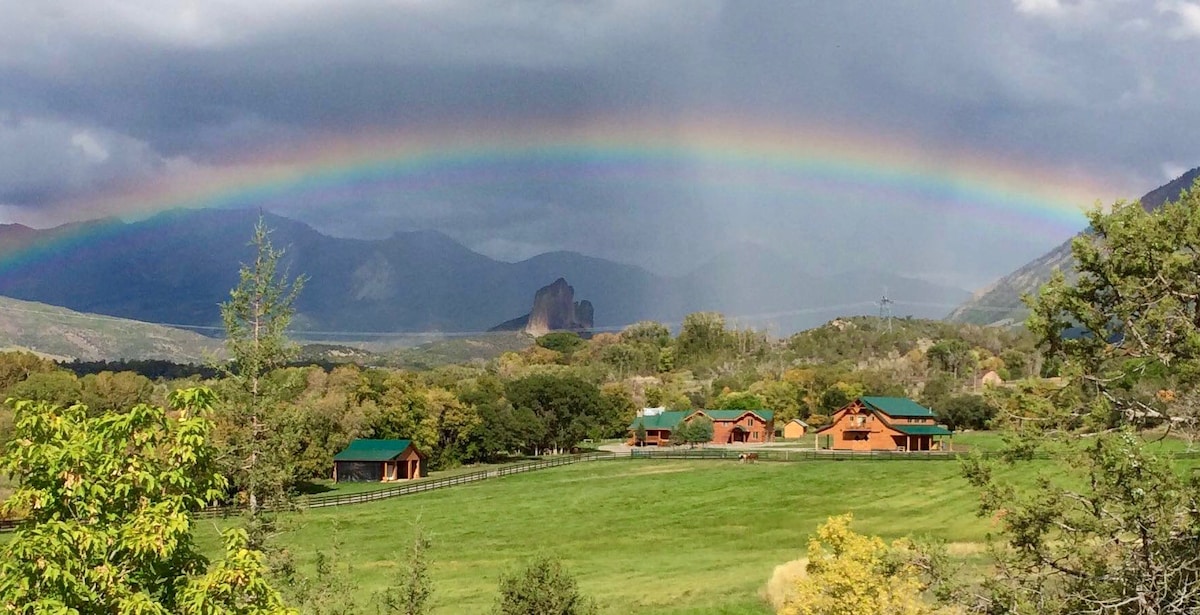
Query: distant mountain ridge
[65,334]
[177,266]
[1000,303]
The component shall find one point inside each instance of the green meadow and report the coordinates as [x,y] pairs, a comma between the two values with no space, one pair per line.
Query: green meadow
[675,537]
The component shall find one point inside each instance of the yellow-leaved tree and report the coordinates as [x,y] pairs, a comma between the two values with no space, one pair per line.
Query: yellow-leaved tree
[853,574]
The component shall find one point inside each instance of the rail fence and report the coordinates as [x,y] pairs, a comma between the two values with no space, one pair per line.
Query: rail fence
[835,455]
[335,499]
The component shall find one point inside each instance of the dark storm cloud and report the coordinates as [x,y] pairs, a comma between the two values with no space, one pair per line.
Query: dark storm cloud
[107,93]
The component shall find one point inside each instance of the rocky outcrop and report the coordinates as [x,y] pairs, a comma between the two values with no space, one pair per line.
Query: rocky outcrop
[554,309]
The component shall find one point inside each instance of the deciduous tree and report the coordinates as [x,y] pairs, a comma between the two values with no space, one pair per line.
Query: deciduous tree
[108,504]
[851,574]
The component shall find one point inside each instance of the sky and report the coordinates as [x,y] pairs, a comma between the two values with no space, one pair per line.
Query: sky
[120,107]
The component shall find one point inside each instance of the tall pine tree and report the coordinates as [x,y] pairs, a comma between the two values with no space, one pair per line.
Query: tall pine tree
[256,319]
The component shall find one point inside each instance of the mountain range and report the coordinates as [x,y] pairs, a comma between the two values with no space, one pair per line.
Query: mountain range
[64,334]
[1001,304]
[176,267]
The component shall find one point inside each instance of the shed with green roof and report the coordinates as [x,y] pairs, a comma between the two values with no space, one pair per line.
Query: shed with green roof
[365,460]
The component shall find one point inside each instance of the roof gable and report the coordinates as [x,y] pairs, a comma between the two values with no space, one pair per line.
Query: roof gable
[897,406]
[733,415]
[373,450]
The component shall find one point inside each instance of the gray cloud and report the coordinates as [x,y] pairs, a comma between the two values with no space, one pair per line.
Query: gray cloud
[110,93]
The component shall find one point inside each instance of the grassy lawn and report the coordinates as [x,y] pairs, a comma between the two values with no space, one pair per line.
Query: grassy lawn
[1157,441]
[676,537]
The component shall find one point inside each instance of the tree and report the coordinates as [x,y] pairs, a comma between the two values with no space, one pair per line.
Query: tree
[639,433]
[702,337]
[411,596]
[965,412]
[565,342]
[1116,531]
[950,355]
[1129,325]
[108,504]
[256,318]
[852,574]
[544,587]
[566,406]
[699,430]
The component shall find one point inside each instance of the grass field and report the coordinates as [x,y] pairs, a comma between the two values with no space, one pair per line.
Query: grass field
[676,537]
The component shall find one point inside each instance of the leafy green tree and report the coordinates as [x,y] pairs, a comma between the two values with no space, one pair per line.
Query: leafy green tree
[566,406]
[565,342]
[950,355]
[702,337]
[112,391]
[544,587]
[965,412]
[838,395]
[639,433]
[699,430]
[108,504]
[647,332]
[412,595]
[739,401]
[256,318]
[17,366]
[59,386]
[1115,529]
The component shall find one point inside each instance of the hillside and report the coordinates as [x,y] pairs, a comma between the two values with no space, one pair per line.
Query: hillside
[65,334]
[176,267]
[1000,303]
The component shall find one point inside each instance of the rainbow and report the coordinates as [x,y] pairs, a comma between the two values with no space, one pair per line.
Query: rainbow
[808,165]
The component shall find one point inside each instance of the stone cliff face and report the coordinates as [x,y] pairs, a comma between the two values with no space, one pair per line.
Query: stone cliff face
[554,309]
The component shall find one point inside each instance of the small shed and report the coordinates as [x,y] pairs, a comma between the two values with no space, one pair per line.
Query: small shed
[795,428]
[378,460]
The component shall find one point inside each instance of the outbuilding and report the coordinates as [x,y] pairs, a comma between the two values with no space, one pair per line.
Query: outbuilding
[795,428]
[378,460]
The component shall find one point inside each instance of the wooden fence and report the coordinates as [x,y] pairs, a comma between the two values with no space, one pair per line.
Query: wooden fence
[832,455]
[335,499]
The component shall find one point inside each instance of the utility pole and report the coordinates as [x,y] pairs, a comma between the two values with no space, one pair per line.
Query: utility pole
[885,309]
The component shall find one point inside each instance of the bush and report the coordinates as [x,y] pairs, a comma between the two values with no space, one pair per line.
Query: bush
[543,588]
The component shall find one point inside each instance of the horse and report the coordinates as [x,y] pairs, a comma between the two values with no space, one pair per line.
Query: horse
[748,457]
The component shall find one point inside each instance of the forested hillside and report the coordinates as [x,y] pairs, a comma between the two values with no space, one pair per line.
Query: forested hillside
[553,394]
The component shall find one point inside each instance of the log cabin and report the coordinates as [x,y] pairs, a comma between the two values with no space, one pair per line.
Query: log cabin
[884,424]
[729,426]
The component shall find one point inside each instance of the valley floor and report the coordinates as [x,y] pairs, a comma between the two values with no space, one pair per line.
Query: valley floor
[676,537]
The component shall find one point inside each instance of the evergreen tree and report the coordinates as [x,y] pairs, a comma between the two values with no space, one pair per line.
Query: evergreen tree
[256,318]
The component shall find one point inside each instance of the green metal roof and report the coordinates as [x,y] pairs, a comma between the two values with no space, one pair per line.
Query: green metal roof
[897,406]
[373,450]
[729,415]
[663,420]
[670,420]
[922,430]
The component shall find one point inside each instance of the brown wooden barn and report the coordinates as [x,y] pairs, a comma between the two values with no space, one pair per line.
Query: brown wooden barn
[883,424]
[378,460]
[729,426]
